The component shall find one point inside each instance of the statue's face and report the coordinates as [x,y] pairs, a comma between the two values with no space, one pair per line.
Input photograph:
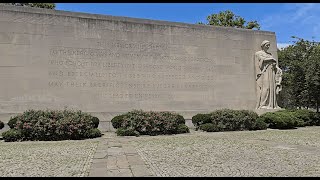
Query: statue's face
[266,46]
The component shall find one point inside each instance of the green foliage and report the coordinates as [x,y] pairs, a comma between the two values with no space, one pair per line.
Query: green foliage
[300,63]
[149,122]
[229,19]
[315,119]
[210,127]
[92,133]
[1,124]
[260,125]
[227,120]
[95,121]
[37,5]
[281,120]
[182,128]
[53,125]
[127,132]
[12,135]
[12,122]
[180,119]
[309,118]
[117,121]
[199,119]
[234,120]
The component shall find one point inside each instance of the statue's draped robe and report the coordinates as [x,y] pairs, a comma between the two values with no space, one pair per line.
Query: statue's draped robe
[267,83]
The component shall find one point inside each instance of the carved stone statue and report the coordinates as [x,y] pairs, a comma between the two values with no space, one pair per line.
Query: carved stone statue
[268,78]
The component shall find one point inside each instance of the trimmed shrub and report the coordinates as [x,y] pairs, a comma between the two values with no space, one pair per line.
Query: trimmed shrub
[199,119]
[182,128]
[12,122]
[210,127]
[1,124]
[234,120]
[117,121]
[281,120]
[12,135]
[180,119]
[310,118]
[95,121]
[315,119]
[227,120]
[92,133]
[51,125]
[260,125]
[127,132]
[148,122]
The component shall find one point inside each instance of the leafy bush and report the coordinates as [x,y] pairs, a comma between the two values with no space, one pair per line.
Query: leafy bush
[310,118]
[315,119]
[281,120]
[182,128]
[12,135]
[227,120]
[12,122]
[127,132]
[117,121]
[53,125]
[95,121]
[1,124]
[92,133]
[180,119]
[210,127]
[199,119]
[234,120]
[148,123]
[260,125]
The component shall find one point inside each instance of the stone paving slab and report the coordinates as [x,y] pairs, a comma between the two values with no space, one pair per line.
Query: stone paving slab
[220,154]
[115,158]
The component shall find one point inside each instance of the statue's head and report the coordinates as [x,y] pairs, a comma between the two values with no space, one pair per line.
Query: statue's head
[265,45]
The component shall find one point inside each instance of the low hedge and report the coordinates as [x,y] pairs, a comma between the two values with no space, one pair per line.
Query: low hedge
[310,118]
[138,122]
[50,125]
[281,120]
[1,124]
[228,120]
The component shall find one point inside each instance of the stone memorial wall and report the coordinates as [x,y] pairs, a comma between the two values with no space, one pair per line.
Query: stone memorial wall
[107,65]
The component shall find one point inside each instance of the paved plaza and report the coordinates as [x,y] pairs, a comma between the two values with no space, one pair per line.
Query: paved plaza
[239,153]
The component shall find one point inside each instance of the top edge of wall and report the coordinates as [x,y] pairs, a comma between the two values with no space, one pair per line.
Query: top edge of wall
[33,10]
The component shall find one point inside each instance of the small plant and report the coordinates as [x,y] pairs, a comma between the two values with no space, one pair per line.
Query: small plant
[1,125]
[182,128]
[93,133]
[12,135]
[210,127]
[260,125]
[127,132]
[12,122]
[117,121]
[199,119]
[95,121]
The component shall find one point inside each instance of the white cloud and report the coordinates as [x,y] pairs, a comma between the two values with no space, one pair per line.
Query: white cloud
[283,45]
[299,19]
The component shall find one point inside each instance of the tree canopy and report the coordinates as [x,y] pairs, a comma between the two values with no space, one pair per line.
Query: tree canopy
[300,63]
[229,19]
[38,5]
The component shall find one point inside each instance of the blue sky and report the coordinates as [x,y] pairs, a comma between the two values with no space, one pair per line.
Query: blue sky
[285,19]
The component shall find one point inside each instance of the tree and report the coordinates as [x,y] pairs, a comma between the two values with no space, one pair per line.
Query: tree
[38,5]
[229,19]
[300,63]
